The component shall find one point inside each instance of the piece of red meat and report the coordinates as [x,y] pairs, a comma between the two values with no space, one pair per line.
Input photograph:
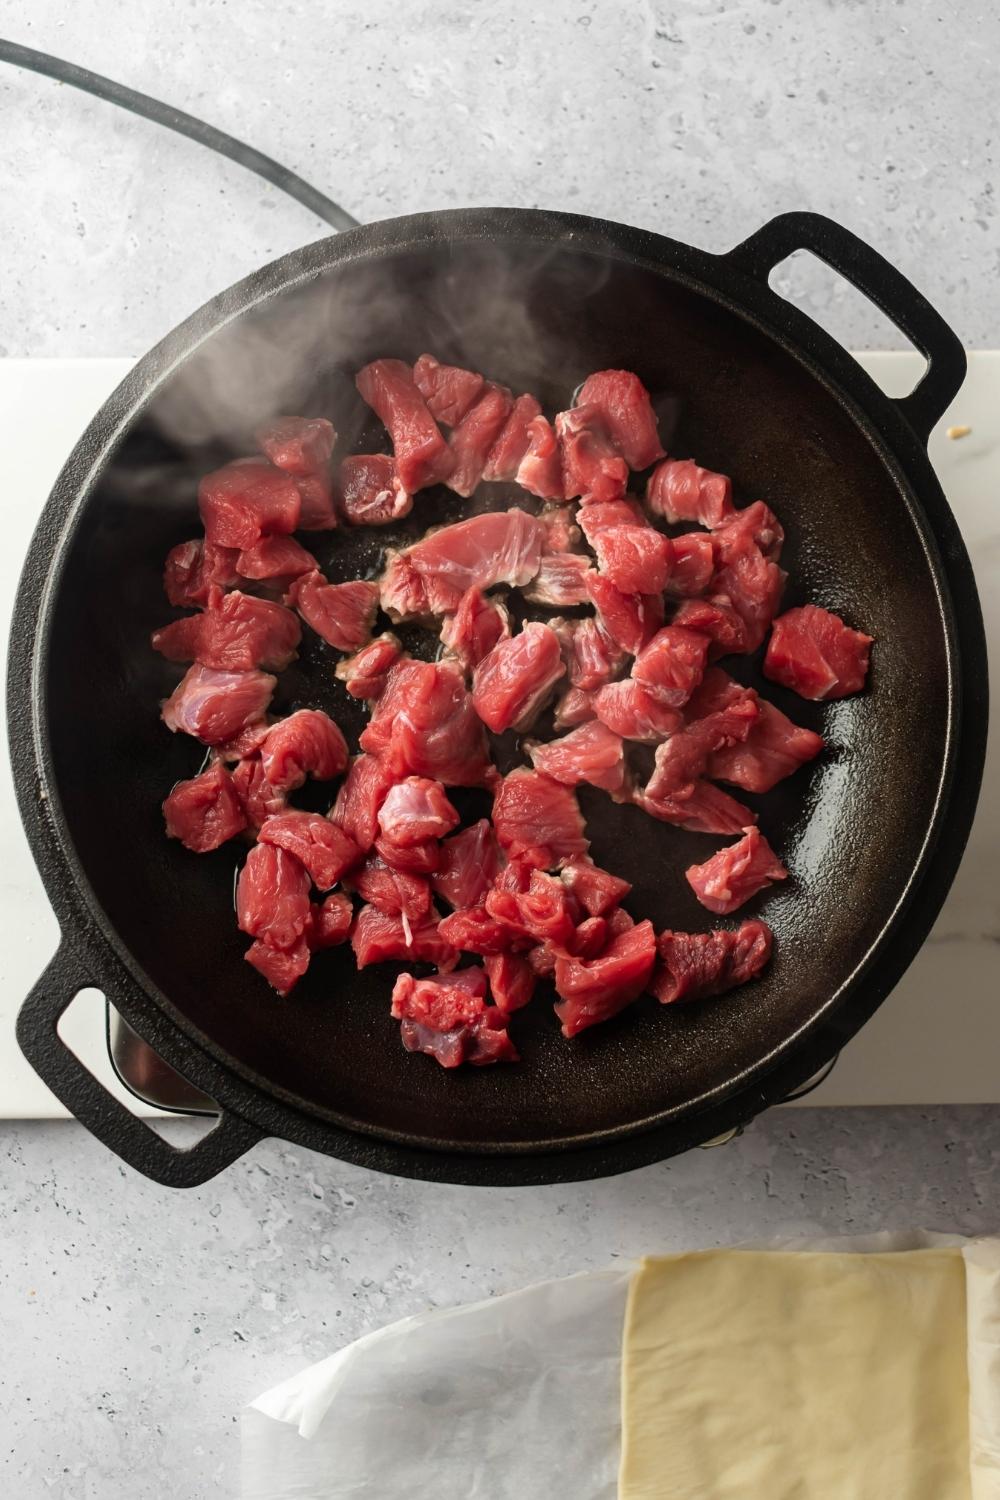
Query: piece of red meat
[474,435]
[597,890]
[246,743]
[377,937]
[629,619]
[672,664]
[425,724]
[272,897]
[815,654]
[299,445]
[560,531]
[720,713]
[501,546]
[448,390]
[216,706]
[590,938]
[595,516]
[236,633]
[275,557]
[700,807]
[246,500]
[194,569]
[515,681]
[679,490]
[636,559]
[758,525]
[402,593]
[260,800]
[591,463]
[627,412]
[421,453]
[393,891]
[281,967]
[468,866]
[515,875]
[716,618]
[475,628]
[595,989]
[412,859]
[406,677]
[721,703]
[619,921]
[591,656]
[302,447]
[774,749]
[736,873]
[482,1042]
[630,710]
[547,912]
[572,708]
[540,471]
[511,444]
[415,810]
[450,1021]
[591,753]
[364,674]
[473,929]
[359,799]
[512,980]
[370,490]
[318,511]
[205,811]
[744,575]
[320,846]
[541,960]
[342,614]
[693,564]
[442,1000]
[307,743]
[561,581]
[537,820]
[331,923]
[697,964]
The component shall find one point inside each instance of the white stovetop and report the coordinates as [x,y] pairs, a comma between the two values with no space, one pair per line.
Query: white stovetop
[936,1040]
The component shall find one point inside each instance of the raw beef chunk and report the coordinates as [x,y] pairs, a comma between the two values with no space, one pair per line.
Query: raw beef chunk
[512,683]
[695,964]
[216,706]
[205,811]
[371,491]
[421,453]
[815,654]
[736,873]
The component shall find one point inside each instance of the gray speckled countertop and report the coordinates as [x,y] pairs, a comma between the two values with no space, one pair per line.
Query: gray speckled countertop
[137,1321]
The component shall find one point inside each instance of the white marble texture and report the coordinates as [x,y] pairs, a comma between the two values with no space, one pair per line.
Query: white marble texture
[136,1321]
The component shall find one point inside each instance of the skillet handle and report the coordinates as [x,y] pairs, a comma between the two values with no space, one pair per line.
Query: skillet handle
[882,284]
[104,1116]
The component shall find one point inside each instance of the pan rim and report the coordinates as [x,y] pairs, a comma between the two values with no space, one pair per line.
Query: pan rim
[665,257]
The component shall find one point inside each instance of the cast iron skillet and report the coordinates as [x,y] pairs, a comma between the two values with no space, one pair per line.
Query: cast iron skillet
[872,833]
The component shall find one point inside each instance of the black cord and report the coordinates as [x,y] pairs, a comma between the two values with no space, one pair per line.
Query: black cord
[185,124]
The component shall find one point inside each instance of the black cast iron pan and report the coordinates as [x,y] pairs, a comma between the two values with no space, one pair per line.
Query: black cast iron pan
[872,833]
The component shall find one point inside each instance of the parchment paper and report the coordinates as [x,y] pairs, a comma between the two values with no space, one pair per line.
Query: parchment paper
[518,1398]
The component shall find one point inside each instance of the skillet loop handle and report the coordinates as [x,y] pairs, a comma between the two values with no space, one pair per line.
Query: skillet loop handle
[882,284]
[104,1116]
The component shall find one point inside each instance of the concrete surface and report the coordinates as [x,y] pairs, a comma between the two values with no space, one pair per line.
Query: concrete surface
[700,120]
[135,1322]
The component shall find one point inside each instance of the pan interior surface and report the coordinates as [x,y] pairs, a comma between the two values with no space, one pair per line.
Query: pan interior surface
[851,828]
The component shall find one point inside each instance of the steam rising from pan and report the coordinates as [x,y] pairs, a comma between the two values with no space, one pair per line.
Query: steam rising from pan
[293,358]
